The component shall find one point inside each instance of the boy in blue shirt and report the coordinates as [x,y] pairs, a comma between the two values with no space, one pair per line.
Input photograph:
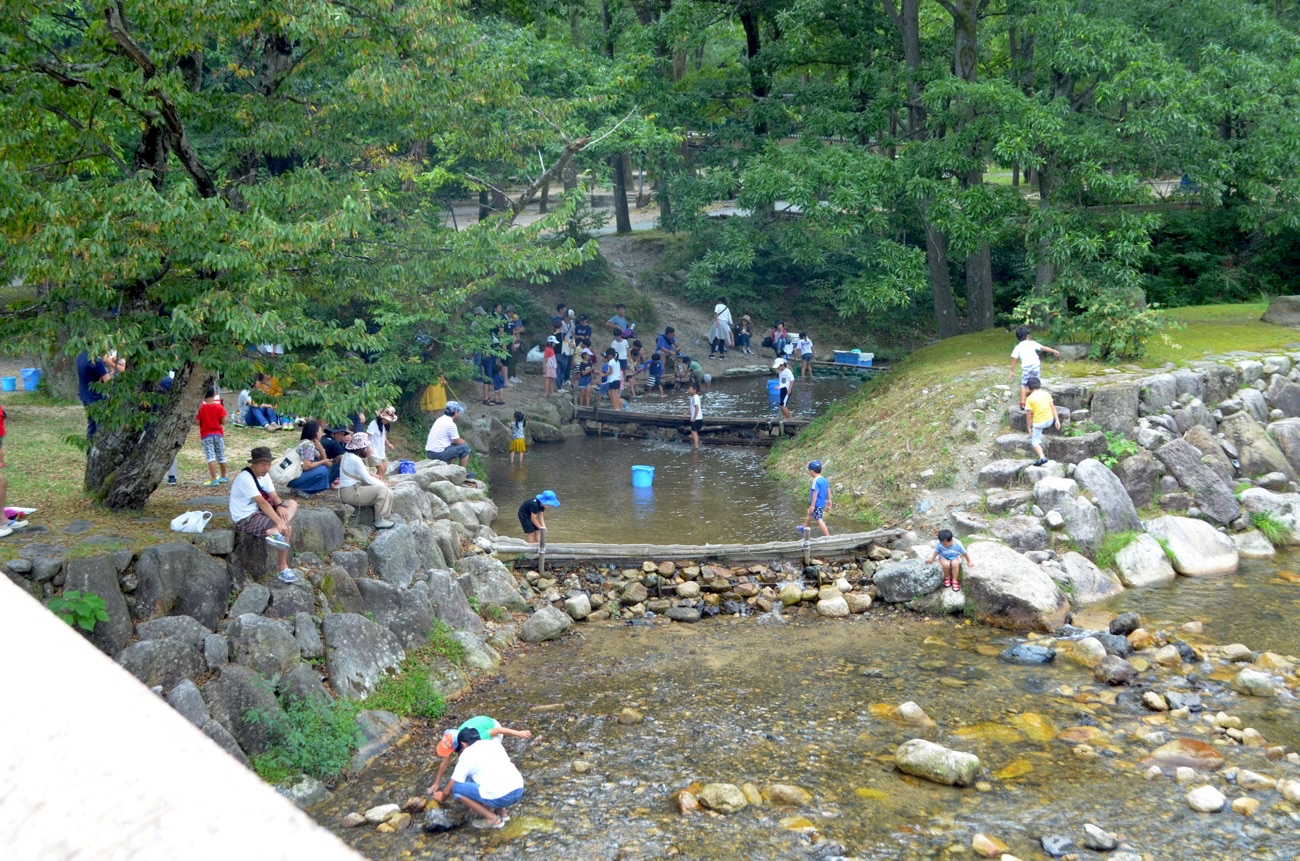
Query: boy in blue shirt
[819,499]
[584,377]
[950,552]
[655,378]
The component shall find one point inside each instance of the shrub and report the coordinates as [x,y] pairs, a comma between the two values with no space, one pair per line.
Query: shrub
[79,609]
[1118,447]
[309,737]
[1111,545]
[1271,528]
[409,692]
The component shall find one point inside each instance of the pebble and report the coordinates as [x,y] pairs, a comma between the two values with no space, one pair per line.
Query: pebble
[1245,806]
[580,766]
[1290,790]
[1152,773]
[1253,683]
[1206,799]
[1183,774]
[785,793]
[1155,702]
[1250,780]
[1095,837]
[630,717]
[381,813]
[352,820]
[988,846]
[1056,845]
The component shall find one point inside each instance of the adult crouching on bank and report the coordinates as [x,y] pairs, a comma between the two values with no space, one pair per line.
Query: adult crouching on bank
[445,442]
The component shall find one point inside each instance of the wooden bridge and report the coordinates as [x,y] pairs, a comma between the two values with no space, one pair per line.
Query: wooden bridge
[833,546]
[717,430]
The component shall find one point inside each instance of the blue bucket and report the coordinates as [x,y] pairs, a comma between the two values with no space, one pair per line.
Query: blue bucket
[774,392]
[8,384]
[643,476]
[31,378]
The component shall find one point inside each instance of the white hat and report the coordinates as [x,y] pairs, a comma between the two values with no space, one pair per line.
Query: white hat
[778,363]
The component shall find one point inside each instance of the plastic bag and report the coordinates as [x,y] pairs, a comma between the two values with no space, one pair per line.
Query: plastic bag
[191,521]
[406,467]
[535,354]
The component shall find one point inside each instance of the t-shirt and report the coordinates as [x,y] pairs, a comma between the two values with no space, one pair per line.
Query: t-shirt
[723,313]
[696,411]
[584,368]
[582,330]
[1039,404]
[665,344]
[243,494]
[89,372]
[490,767]
[529,508]
[307,451]
[211,415]
[244,401]
[612,372]
[353,471]
[805,346]
[695,368]
[2,421]
[516,430]
[333,448]
[820,493]
[656,369]
[441,434]
[786,377]
[484,725]
[620,347]
[619,321]
[953,551]
[1026,353]
[378,439]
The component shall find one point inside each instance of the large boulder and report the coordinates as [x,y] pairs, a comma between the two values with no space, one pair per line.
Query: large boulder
[1000,473]
[340,589]
[1087,584]
[450,604]
[221,737]
[904,581]
[307,634]
[178,578]
[448,540]
[1257,453]
[164,662]
[1286,434]
[1155,393]
[1283,311]
[427,546]
[452,493]
[1197,547]
[1284,508]
[97,575]
[394,556]
[186,699]
[1183,461]
[547,623]
[1007,590]
[358,653]
[1220,383]
[1189,381]
[1022,532]
[1115,407]
[934,762]
[290,599]
[183,628]
[405,612]
[264,645]
[253,598]
[303,684]
[242,702]
[429,471]
[490,582]
[1212,454]
[1082,523]
[253,559]
[411,502]
[1109,495]
[1072,449]
[1138,476]
[1049,493]
[316,530]
[1142,562]
[1254,403]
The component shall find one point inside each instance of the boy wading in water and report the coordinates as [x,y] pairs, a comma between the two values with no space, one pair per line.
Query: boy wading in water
[950,552]
[819,499]
[695,414]
[1040,414]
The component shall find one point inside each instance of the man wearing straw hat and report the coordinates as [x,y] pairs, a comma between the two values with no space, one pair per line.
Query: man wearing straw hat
[256,509]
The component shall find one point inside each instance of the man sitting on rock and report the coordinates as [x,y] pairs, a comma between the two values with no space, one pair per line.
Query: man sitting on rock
[257,510]
[485,780]
[444,442]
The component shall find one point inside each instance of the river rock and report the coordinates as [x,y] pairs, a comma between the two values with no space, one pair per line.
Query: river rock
[547,623]
[1098,839]
[393,555]
[1056,845]
[1253,683]
[785,794]
[683,614]
[1185,752]
[1028,654]
[967,523]
[1212,496]
[723,797]
[1137,474]
[1109,495]
[408,613]
[97,575]
[1197,548]
[486,579]
[1286,433]
[1212,454]
[1021,532]
[450,604]
[1072,449]
[237,698]
[1086,583]
[163,662]
[921,758]
[177,578]
[1257,453]
[1142,562]
[988,846]
[264,645]
[1009,591]
[904,581]
[859,602]
[439,819]
[1115,407]
[1206,799]
[1114,670]
[1089,652]
[358,652]
[316,530]
[1115,644]
[834,607]
[253,598]
[1125,623]
[578,606]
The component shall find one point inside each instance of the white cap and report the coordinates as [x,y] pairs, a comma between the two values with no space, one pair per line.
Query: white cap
[778,363]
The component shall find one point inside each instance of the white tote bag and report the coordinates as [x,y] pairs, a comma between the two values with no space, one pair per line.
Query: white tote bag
[287,468]
[191,521]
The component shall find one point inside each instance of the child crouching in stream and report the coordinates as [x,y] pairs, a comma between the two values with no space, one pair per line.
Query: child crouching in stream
[485,780]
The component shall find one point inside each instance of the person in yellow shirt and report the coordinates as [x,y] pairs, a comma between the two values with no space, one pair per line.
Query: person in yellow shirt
[1040,414]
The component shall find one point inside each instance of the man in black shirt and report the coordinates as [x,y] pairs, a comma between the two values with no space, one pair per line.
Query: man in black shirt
[335,444]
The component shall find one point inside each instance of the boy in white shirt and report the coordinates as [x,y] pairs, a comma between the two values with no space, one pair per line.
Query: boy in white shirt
[695,414]
[485,780]
[786,378]
[1026,352]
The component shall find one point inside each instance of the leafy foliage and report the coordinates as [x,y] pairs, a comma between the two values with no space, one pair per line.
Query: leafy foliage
[1111,544]
[1118,447]
[409,692]
[309,737]
[1270,527]
[79,609]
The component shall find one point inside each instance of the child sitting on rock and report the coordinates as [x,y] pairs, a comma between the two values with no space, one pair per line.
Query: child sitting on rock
[950,552]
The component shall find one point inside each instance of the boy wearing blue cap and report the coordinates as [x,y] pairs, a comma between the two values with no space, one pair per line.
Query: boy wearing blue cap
[819,499]
[532,514]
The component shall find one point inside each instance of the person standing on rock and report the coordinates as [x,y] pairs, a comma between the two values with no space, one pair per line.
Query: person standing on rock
[949,552]
[489,729]
[257,510]
[485,780]
[532,514]
[1026,352]
[1040,414]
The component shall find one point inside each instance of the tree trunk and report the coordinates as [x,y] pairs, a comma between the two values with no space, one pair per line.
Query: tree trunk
[758,83]
[125,465]
[979,290]
[543,204]
[484,204]
[1045,273]
[622,218]
[936,258]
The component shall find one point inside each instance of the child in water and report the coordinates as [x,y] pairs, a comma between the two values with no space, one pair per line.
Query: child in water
[950,552]
[518,444]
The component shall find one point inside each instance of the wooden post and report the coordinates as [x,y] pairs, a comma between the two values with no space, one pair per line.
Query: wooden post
[541,551]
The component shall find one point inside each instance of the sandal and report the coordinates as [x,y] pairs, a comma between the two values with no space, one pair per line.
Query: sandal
[956,586]
[488,403]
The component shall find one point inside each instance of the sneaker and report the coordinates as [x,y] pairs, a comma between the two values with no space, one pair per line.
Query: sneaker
[16,524]
[384,524]
[278,542]
[223,480]
[1042,461]
[213,483]
[5,532]
[171,481]
[288,576]
[469,476]
[514,379]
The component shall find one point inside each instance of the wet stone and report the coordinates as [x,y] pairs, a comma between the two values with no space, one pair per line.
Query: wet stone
[1028,654]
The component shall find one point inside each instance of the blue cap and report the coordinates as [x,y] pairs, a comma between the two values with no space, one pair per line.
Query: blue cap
[815,466]
[453,407]
[548,497]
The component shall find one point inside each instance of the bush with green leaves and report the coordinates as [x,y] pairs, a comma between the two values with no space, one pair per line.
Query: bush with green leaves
[1270,527]
[309,737]
[79,609]
[1118,447]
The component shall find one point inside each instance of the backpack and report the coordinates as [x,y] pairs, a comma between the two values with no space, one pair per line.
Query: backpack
[287,468]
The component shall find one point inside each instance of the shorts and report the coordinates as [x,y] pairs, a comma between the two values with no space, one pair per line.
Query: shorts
[518,446]
[807,357]
[450,453]
[526,524]
[1036,438]
[622,363]
[375,461]
[1027,371]
[488,366]
[584,382]
[818,511]
[256,524]
[696,424]
[652,382]
[466,789]
[214,448]
[615,386]
[785,395]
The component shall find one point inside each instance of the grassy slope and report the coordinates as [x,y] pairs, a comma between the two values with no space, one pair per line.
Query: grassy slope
[877,442]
